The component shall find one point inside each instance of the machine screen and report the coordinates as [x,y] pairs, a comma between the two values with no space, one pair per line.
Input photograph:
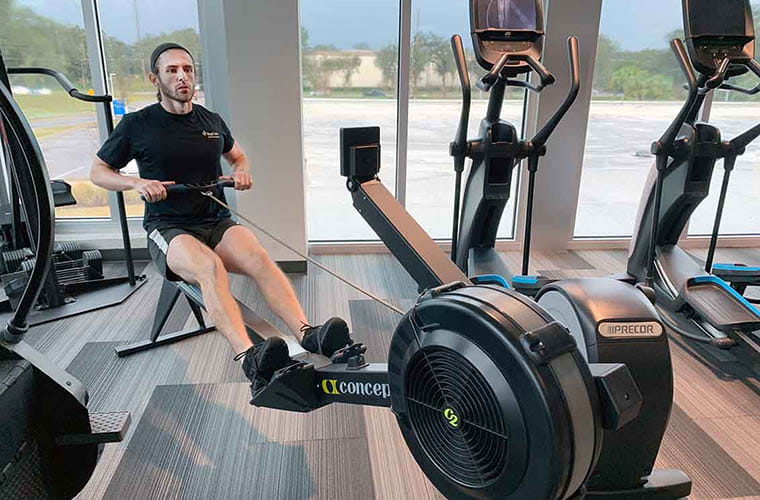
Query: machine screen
[708,17]
[506,14]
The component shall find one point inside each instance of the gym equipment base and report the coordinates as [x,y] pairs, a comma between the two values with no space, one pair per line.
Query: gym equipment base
[90,300]
[662,483]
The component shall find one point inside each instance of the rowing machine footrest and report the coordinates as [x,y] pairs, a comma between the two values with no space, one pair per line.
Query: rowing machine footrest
[292,388]
[106,427]
[352,355]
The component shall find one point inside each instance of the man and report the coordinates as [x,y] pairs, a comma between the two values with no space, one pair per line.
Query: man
[191,237]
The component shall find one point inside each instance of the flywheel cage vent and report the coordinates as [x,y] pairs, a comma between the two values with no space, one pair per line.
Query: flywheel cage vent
[456,417]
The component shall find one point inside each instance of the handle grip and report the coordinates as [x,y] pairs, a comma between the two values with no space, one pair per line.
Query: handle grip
[667,139]
[574,61]
[544,74]
[188,188]
[720,75]
[460,140]
[62,80]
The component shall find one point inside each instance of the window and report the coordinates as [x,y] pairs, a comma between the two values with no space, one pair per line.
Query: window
[636,93]
[434,109]
[131,30]
[349,78]
[50,33]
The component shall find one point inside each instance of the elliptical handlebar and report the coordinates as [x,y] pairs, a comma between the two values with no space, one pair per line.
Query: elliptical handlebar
[544,74]
[62,80]
[743,140]
[719,77]
[754,67]
[459,145]
[490,78]
[458,148]
[573,53]
[666,141]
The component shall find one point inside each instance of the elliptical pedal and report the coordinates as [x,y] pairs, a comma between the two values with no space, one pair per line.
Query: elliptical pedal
[722,306]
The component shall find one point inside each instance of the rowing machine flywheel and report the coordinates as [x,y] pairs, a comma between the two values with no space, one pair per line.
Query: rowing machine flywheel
[492,396]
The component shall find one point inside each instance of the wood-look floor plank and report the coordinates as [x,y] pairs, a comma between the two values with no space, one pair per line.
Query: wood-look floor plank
[205,441]
[711,434]
[395,473]
[715,473]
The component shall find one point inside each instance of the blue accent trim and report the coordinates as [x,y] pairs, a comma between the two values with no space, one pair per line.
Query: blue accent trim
[734,267]
[490,278]
[727,287]
[525,280]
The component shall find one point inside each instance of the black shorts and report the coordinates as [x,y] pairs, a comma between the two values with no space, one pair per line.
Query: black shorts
[160,236]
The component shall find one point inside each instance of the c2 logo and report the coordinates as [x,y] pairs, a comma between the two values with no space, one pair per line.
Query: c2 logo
[451,417]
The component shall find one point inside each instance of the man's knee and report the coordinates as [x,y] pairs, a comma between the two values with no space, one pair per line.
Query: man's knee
[258,258]
[194,262]
[209,268]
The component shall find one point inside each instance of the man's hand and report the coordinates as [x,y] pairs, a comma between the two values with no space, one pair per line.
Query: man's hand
[151,190]
[242,178]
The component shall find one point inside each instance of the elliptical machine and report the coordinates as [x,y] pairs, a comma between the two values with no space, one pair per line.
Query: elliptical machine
[508,40]
[692,297]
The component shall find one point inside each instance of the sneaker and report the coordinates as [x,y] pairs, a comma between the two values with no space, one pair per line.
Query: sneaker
[262,360]
[326,339]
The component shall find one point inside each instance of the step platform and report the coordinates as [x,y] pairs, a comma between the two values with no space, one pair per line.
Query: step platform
[722,306]
[737,274]
[106,427]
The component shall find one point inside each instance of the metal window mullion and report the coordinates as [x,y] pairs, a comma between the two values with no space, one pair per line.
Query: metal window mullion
[402,106]
[99,74]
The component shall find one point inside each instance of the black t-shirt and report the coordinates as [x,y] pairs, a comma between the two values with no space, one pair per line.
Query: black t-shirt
[169,147]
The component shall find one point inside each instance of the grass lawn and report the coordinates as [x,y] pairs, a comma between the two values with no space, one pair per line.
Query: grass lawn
[47,106]
[75,211]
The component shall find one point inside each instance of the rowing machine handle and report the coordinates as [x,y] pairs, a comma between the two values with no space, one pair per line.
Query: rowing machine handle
[187,188]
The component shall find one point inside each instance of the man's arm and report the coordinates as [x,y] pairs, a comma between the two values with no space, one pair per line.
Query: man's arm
[241,171]
[103,175]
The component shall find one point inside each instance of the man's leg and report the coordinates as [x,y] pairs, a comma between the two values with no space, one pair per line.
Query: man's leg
[196,263]
[242,253]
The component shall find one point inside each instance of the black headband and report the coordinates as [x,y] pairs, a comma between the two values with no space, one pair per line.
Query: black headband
[163,48]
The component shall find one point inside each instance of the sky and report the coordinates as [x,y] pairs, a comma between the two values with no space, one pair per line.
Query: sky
[345,23]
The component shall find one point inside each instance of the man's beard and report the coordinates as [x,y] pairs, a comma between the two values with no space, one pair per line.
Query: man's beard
[174,96]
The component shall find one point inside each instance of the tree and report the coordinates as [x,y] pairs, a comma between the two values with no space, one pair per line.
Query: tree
[325,48]
[387,62]
[361,46]
[420,56]
[349,65]
[607,56]
[442,58]
[638,84]
[304,40]
[318,70]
